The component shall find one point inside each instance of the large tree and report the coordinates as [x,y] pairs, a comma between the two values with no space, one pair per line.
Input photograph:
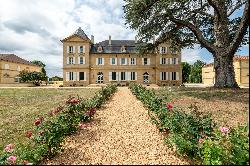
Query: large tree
[42,65]
[196,72]
[186,69]
[212,24]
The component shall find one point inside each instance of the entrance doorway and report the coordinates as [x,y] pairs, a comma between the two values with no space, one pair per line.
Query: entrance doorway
[99,78]
[146,78]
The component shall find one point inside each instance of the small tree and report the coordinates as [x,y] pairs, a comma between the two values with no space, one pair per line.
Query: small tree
[35,77]
[42,65]
[196,72]
[186,69]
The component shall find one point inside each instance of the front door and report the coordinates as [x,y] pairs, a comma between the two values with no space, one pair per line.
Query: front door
[99,78]
[146,78]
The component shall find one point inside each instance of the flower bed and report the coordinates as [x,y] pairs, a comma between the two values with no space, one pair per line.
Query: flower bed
[194,135]
[51,129]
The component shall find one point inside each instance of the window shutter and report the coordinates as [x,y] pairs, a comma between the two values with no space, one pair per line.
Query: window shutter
[160,75]
[120,61]
[67,49]
[79,60]
[83,47]
[170,61]
[102,61]
[110,76]
[177,75]
[96,61]
[177,61]
[129,76]
[74,60]
[126,61]
[85,76]
[67,76]
[117,76]
[142,61]
[115,61]
[160,60]
[160,50]
[74,76]
[78,49]
[170,75]
[167,61]
[166,50]
[77,76]
[83,60]
[129,61]
[110,61]
[167,75]
[148,61]
[67,60]
[74,49]
[135,75]
[135,60]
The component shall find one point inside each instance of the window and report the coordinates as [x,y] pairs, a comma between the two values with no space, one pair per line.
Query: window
[123,76]
[123,61]
[17,79]
[81,76]
[174,76]
[163,61]
[174,60]
[99,49]
[132,61]
[163,50]
[113,76]
[123,49]
[145,61]
[113,61]
[99,61]
[81,61]
[132,76]
[164,76]
[71,60]
[71,76]
[81,49]
[6,66]
[173,51]
[71,49]
[18,68]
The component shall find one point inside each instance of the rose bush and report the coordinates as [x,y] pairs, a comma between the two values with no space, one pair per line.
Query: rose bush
[51,129]
[195,135]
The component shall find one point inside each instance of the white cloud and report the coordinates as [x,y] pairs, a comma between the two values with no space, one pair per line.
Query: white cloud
[191,55]
[33,29]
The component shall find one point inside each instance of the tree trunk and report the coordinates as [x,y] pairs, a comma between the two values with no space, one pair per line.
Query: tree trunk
[224,71]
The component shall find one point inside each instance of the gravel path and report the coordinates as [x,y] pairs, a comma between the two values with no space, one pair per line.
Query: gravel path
[120,134]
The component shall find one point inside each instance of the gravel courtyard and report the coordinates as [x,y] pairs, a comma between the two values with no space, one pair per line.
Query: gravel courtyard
[121,133]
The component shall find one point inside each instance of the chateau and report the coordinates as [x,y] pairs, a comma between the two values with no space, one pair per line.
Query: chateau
[85,62]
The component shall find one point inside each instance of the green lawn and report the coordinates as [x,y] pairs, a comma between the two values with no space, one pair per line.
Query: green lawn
[20,106]
[227,107]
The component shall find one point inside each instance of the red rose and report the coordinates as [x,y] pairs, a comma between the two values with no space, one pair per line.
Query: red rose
[37,122]
[170,106]
[28,134]
[74,101]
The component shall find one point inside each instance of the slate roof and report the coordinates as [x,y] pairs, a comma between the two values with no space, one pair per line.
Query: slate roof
[15,59]
[115,46]
[80,33]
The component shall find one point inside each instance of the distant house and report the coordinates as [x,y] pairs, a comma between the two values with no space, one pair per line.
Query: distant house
[10,67]
[241,69]
[85,62]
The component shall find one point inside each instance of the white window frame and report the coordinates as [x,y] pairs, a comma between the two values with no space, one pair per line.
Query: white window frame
[71,49]
[132,74]
[125,61]
[124,76]
[71,60]
[132,61]
[98,60]
[111,61]
[71,76]
[163,50]
[81,51]
[81,62]
[84,76]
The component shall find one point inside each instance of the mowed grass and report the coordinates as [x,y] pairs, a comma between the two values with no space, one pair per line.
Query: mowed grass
[19,107]
[227,107]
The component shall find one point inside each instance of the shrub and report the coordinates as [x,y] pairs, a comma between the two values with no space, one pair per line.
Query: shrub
[51,129]
[195,135]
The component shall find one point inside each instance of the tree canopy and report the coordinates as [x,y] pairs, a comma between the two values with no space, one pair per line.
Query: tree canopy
[212,24]
[35,77]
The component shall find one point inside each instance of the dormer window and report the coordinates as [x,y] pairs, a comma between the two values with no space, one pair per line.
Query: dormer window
[123,49]
[99,49]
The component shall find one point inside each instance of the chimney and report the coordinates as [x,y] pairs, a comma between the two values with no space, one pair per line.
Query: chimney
[109,39]
[92,39]
[154,39]
[135,39]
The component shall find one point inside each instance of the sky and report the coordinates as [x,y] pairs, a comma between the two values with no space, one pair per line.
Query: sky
[32,29]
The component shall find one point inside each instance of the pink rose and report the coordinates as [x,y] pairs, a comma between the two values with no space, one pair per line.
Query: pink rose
[169,106]
[11,159]
[83,126]
[74,101]
[9,147]
[201,140]
[37,122]
[224,130]
[28,134]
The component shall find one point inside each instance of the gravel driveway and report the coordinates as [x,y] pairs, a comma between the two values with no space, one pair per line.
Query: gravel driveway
[120,133]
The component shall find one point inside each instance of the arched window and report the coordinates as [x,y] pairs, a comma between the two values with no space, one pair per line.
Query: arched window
[99,49]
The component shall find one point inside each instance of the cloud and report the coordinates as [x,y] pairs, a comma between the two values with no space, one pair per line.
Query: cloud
[192,55]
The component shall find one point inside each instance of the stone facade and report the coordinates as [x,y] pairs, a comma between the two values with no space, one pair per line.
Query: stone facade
[10,67]
[117,61]
[241,69]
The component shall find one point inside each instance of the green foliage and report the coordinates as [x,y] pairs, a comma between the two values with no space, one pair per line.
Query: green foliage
[51,129]
[42,65]
[186,69]
[196,72]
[193,134]
[35,77]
